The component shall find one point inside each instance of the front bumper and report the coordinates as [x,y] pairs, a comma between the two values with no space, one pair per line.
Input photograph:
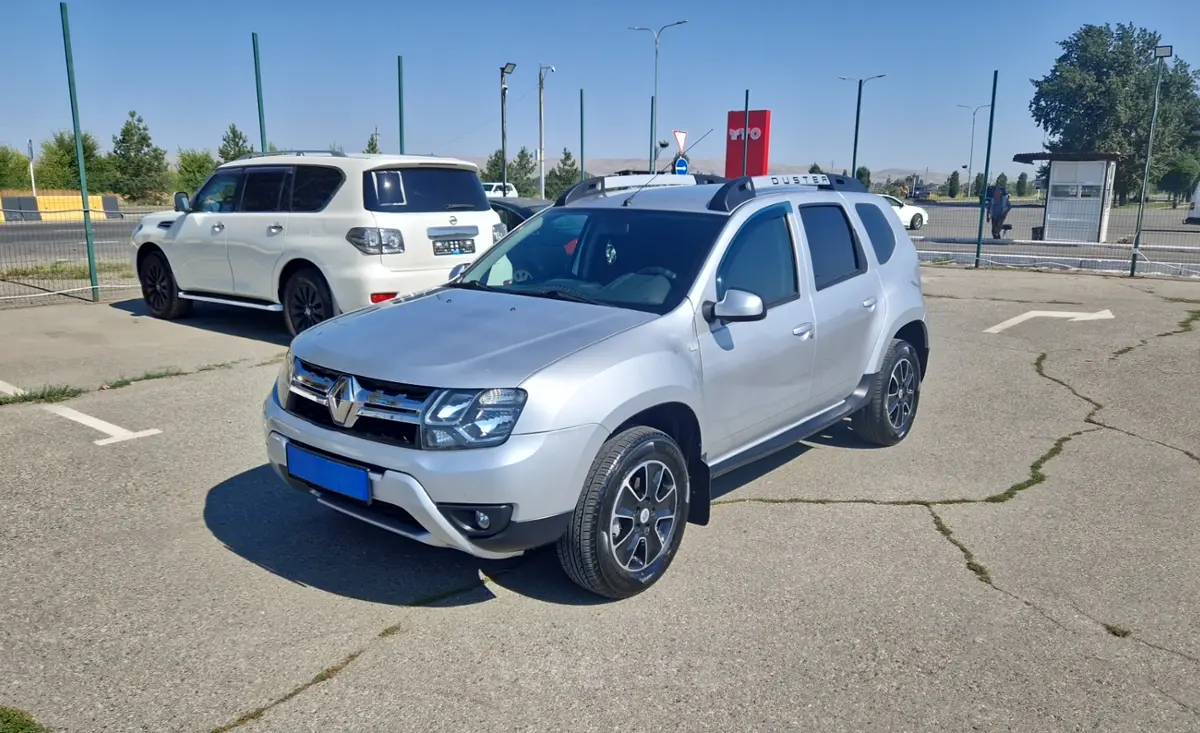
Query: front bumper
[540,476]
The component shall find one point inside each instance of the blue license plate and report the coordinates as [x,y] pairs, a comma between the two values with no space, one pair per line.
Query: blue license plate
[329,474]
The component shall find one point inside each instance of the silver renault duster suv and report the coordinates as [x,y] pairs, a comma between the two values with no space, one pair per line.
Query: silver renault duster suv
[583,382]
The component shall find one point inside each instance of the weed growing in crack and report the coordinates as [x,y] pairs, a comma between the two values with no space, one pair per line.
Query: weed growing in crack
[323,676]
[1117,630]
[18,721]
[973,565]
[49,393]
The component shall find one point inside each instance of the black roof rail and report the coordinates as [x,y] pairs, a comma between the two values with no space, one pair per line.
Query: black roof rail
[334,153]
[600,184]
[743,188]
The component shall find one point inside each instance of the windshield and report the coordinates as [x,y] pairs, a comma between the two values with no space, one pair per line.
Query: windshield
[630,258]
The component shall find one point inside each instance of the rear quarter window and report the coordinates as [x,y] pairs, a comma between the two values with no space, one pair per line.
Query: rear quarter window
[423,190]
[313,187]
[879,231]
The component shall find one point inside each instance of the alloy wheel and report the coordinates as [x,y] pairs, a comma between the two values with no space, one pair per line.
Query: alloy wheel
[901,394]
[644,519]
[306,307]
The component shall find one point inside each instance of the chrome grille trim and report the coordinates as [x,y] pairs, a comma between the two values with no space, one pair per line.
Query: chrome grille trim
[379,402]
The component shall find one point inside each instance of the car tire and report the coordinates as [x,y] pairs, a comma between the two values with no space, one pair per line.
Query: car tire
[306,300]
[159,289]
[917,222]
[633,463]
[895,394]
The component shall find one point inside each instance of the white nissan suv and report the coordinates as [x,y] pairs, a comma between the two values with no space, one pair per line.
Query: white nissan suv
[311,236]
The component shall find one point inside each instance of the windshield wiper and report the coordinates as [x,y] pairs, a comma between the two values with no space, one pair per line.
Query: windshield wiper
[558,295]
[471,285]
[452,207]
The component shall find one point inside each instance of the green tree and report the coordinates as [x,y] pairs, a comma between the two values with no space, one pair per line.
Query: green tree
[193,169]
[521,173]
[953,185]
[1022,185]
[1002,180]
[492,170]
[562,176]
[234,144]
[1098,97]
[977,185]
[14,169]
[139,167]
[335,147]
[1180,180]
[814,168]
[57,166]
[864,174]
[372,144]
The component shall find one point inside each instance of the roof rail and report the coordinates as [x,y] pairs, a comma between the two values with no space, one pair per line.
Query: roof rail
[603,184]
[743,188]
[334,153]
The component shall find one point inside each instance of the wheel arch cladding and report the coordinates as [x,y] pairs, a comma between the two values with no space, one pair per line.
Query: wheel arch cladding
[680,422]
[146,249]
[917,334]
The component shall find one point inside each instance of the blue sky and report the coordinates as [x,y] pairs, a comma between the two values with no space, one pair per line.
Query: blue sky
[329,72]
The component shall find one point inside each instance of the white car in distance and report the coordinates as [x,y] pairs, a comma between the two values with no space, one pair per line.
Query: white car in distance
[497,190]
[313,234]
[913,217]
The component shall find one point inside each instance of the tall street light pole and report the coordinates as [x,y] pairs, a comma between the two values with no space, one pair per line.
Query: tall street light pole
[504,71]
[1161,54]
[971,156]
[654,103]
[542,129]
[858,117]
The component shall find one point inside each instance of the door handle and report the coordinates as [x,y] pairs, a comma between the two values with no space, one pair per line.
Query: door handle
[218,227]
[869,303]
[275,228]
[804,331]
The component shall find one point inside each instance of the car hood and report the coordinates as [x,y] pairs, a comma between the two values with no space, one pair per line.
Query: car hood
[152,220]
[449,337]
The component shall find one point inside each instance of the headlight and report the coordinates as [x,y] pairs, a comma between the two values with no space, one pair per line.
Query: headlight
[283,382]
[472,418]
[498,231]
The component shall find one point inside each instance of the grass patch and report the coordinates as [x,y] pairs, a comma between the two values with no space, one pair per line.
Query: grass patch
[322,676]
[154,374]
[18,721]
[49,393]
[65,271]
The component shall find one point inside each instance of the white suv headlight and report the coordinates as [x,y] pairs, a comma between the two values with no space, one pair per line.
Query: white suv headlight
[472,418]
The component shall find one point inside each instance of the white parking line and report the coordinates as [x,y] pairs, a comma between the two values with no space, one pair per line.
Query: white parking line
[115,433]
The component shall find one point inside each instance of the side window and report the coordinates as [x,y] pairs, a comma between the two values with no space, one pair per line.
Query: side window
[219,194]
[313,186]
[834,254]
[879,231]
[761,259]
[263,190]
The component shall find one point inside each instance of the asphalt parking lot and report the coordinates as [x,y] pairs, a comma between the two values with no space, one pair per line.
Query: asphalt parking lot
[1026,560]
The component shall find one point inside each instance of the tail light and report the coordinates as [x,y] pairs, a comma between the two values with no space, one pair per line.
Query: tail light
[376,241]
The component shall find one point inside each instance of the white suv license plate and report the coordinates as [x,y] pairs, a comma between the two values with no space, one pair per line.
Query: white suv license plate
[454,246]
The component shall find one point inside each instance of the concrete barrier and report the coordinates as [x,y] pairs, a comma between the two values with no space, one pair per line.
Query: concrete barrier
[58,208]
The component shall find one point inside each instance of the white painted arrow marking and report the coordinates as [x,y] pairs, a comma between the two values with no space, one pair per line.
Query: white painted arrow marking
[1074,317]
[116,433]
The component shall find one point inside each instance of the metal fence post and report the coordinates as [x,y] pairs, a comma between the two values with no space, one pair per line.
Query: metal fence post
[581,158]
[986,170]
[262,120]
[83,189]
[746,136]
[400,95]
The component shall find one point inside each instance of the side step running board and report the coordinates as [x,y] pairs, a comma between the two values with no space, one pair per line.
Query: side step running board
[256,305]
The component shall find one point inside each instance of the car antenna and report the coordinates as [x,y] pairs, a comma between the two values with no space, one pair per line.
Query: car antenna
[656,173]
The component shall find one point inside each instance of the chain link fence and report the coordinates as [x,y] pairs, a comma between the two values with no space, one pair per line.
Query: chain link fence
[949,235]
[43,255]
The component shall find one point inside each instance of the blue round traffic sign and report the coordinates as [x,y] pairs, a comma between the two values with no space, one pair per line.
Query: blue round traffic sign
[681,167]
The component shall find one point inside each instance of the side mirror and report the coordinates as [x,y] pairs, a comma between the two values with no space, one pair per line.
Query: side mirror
[737,305]
[458,270]
[182,203]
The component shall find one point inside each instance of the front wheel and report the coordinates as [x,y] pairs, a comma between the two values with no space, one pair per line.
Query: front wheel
[917,221]
[630,518]
[159,289]
[895,393]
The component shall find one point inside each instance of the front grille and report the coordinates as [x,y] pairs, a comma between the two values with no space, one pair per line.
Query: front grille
[386,412]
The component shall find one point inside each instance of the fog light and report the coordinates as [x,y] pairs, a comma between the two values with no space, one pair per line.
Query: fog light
[380,297]
[482,520]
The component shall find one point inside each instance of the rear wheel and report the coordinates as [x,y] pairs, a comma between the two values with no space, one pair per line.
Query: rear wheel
[895,394]
[159,289]
[917,221]
[306,300]
[630,518]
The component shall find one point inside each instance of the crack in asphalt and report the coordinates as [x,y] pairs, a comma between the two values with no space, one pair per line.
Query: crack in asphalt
[1004,300]
[1185,325]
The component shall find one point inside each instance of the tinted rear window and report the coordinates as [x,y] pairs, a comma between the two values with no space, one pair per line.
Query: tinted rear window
[879,231]
[831,247]
[423,190]
[313,187]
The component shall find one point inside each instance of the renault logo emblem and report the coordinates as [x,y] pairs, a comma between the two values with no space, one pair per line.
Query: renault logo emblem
[343,400]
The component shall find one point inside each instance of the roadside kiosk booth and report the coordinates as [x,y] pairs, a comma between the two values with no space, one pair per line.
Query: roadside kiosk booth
[1078,196]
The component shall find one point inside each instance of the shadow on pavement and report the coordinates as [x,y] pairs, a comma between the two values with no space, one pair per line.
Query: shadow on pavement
[731,482]
[287,533]
[229,320]
[840,435]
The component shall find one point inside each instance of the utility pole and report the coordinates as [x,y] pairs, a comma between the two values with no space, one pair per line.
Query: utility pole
[542,129]
[654,99]
[858,117]
[504,71]
[1161,54]
[971,157]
